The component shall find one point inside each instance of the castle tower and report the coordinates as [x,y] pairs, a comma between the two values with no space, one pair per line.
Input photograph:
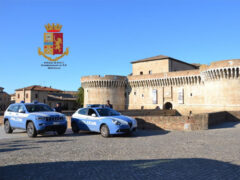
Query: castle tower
[221,85]
[97,90]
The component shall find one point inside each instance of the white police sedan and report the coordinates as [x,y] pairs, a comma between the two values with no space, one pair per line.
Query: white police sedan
[102,119]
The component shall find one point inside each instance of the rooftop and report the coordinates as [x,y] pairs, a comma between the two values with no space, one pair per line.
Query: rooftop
[160,57]
[39,88]
[151,58]
[61,96]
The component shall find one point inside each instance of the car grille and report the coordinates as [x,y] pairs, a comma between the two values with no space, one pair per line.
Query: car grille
[123,130]
[54,118]
[130,124]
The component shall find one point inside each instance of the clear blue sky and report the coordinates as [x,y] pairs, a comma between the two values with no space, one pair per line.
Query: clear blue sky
[104,36]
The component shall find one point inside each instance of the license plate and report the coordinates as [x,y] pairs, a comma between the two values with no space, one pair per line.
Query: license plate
[56,123]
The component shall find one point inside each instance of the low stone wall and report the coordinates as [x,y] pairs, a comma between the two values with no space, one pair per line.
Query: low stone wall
[149,112]
[194,122]
[68,113]
[1,120]
[69,122]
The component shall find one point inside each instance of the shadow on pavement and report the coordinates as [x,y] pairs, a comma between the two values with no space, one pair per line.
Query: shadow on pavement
[15,149]
[143,133]
[52,141]
[138,133]
[26,144]
[124,169]
[225,125]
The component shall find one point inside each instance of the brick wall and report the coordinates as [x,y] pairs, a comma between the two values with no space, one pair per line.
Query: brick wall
[149,112]
[195,122]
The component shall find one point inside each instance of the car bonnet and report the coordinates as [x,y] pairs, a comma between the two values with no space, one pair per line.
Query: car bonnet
[122,118]
[46,114]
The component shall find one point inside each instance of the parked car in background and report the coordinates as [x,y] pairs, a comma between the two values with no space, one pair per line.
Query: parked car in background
[102,119]
[95,105]
[35,118]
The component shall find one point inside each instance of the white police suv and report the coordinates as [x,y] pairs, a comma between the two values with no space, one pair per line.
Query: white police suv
[35,118]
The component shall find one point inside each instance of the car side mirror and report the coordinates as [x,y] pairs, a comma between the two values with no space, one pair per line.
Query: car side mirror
[93,115]
[21,111]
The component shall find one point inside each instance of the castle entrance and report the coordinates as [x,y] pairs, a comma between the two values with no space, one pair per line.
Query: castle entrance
[168,105]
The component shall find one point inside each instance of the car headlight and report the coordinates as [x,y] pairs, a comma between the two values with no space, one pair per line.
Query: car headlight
[40,118]
[116,122]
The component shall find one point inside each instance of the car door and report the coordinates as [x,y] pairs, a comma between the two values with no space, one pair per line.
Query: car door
[92,121]
[81,117]
[13,110]
[21,116]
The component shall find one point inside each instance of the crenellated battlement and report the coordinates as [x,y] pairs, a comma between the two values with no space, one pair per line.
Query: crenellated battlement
[189,77]
[103,81]
[227,69]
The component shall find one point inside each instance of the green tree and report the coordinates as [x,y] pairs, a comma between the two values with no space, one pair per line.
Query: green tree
[80,97]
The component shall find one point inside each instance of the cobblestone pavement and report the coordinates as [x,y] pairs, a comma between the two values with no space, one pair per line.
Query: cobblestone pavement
[210,154]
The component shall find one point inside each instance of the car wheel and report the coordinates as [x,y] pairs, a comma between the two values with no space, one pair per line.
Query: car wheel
[104,131]
[61,131]
[31,131]
[75,128]
[7,128]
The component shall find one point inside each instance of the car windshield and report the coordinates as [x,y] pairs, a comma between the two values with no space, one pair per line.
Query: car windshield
[38,108]
[107,112]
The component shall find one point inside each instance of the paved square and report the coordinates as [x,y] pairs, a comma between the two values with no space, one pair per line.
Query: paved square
[210,154]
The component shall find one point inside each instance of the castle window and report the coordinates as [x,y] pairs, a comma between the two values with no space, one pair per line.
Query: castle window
[190,94]
[141,73]
[18,96]
[150,72]
[154,96]
[27,95]
[135,93]
[142,95]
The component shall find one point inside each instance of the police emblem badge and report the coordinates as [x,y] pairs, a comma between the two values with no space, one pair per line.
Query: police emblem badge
[53,43]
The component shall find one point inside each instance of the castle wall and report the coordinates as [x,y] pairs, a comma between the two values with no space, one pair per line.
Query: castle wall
[101,95]
[97,90]
[192,98]
[208,89]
